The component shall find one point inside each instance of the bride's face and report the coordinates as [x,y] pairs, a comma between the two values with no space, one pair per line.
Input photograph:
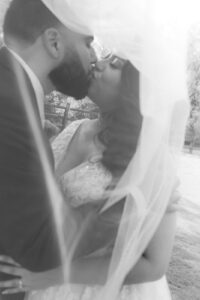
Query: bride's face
[105,85]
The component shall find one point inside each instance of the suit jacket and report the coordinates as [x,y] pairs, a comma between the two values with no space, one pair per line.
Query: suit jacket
[27,230]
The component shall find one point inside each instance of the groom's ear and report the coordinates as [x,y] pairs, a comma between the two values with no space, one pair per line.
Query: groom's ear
[52,43]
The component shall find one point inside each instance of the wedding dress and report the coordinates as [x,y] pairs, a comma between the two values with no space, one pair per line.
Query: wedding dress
[87,183]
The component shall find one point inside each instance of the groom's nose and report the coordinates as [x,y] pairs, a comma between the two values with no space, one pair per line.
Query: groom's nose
[101,65]
[93,56]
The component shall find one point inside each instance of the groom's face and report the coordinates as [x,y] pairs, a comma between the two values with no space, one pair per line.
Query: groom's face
[73,75]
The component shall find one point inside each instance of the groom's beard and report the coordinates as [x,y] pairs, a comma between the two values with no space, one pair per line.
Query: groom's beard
[71,79]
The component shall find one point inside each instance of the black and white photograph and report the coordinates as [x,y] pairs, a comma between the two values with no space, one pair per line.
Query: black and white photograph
[99,150]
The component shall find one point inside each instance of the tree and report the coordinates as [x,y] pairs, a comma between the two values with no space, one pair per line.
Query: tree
[193,67]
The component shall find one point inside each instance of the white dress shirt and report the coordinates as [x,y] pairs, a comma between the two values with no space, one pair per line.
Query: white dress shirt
[35,83]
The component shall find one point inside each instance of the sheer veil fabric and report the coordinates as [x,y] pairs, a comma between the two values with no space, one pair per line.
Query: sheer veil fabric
[153,36]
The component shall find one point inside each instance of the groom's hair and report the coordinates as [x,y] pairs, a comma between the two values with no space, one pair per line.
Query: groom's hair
[26,20]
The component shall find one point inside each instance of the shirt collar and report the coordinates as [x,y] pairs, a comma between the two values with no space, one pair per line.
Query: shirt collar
[35,83]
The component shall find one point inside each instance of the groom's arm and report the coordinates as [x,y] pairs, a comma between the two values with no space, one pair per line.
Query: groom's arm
[27,229]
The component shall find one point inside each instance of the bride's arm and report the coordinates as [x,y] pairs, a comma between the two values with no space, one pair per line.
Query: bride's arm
[155,260]
[150,267]
[91,271]
[153,263]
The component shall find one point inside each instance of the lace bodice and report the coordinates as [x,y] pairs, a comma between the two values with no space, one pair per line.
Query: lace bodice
[85,183]
[88,181]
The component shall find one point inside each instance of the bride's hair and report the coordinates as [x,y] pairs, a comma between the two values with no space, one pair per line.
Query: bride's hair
[123,125]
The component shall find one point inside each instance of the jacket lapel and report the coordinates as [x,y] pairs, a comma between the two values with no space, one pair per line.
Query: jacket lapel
[9,62]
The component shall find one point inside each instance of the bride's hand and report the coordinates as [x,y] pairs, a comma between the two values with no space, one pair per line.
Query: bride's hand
[26,280]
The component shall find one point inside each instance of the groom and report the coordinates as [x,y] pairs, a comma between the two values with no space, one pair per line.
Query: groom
[48,48]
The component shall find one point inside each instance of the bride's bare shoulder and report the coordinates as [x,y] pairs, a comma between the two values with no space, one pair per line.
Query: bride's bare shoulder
[88,130]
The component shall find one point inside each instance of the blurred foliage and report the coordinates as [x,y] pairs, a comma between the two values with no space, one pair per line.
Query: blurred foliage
[193,67]
[82,109]
[61,110]
[56,106]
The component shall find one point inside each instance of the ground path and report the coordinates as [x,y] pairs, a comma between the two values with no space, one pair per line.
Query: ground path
[184,270]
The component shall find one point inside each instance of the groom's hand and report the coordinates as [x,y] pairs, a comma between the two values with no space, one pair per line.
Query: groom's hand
[10,281]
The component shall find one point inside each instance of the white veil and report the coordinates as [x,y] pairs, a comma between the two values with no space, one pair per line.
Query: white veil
[152,34]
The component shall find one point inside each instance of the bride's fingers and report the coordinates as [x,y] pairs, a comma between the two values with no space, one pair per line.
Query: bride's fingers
[13,291]
[14,284]
[12,270]
[7,259]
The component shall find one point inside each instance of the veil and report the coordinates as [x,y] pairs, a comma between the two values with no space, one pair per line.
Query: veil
[153,36]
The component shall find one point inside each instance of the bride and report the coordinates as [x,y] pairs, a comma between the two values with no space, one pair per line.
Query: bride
[90,158]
